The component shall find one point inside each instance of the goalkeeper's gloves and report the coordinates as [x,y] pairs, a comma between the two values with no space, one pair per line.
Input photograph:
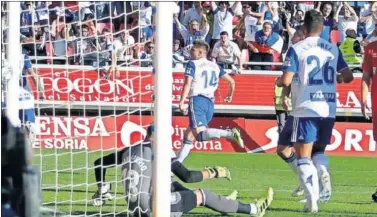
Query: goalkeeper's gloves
[218,172]
[102,195]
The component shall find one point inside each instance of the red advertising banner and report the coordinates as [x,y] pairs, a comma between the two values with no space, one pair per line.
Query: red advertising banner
[78,85]
[96,133]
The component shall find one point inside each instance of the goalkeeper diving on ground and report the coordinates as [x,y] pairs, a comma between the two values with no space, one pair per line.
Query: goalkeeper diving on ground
[137,181]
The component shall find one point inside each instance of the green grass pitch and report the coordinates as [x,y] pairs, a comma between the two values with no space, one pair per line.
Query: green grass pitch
[68,179]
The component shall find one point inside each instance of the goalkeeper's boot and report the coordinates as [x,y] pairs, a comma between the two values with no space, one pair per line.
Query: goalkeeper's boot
[299,191]
[263,203]
[218,172]
[374,196]
[325,183]
[102,195]
[237,137]
[233,195]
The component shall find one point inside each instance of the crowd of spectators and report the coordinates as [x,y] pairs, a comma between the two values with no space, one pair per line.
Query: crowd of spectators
[101,33]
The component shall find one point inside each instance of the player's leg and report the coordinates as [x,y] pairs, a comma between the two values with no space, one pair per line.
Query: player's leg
[224,205]
[202,110]
[187,144]
[320,160]
[286,152]
[304,134]
[103,193]
[374,119]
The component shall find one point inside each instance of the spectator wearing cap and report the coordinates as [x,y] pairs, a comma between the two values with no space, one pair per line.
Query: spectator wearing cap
[193,32]
[226,52]
[347,21]
[178,57]
[223,19]
[147,54]
[266,44]
[194,13]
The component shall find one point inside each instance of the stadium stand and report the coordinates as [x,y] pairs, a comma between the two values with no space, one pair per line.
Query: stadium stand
[51,30]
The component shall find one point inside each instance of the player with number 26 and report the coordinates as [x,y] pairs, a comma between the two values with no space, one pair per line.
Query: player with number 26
[311,67]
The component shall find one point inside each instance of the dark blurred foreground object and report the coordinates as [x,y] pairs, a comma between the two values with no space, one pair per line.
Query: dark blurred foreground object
[20,194]
[374,196]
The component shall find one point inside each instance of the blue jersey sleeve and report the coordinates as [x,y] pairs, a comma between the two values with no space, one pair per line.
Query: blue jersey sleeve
[27,63]
[341,64]
[190,69]
[291,61]
[222,72]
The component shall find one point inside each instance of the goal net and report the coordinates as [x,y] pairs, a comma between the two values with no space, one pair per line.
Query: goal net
[88,67]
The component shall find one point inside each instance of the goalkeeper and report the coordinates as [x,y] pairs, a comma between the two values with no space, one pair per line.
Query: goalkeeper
[137,176]
[101,164]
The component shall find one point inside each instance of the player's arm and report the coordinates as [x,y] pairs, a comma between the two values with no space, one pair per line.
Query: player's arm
[191,176]
[290,68]
[365,83]
[231,84]
[286,97]
[189,75]
[336,16]
[343,70]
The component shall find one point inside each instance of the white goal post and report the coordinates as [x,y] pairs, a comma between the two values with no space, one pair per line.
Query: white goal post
[13,51]
[67,172]
[163,110]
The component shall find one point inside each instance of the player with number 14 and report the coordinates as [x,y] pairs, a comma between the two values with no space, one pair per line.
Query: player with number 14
[201,82]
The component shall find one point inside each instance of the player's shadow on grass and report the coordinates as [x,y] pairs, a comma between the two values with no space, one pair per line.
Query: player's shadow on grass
[249,142]
[205,214]
[357,203]
[356,185]
[330,212]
